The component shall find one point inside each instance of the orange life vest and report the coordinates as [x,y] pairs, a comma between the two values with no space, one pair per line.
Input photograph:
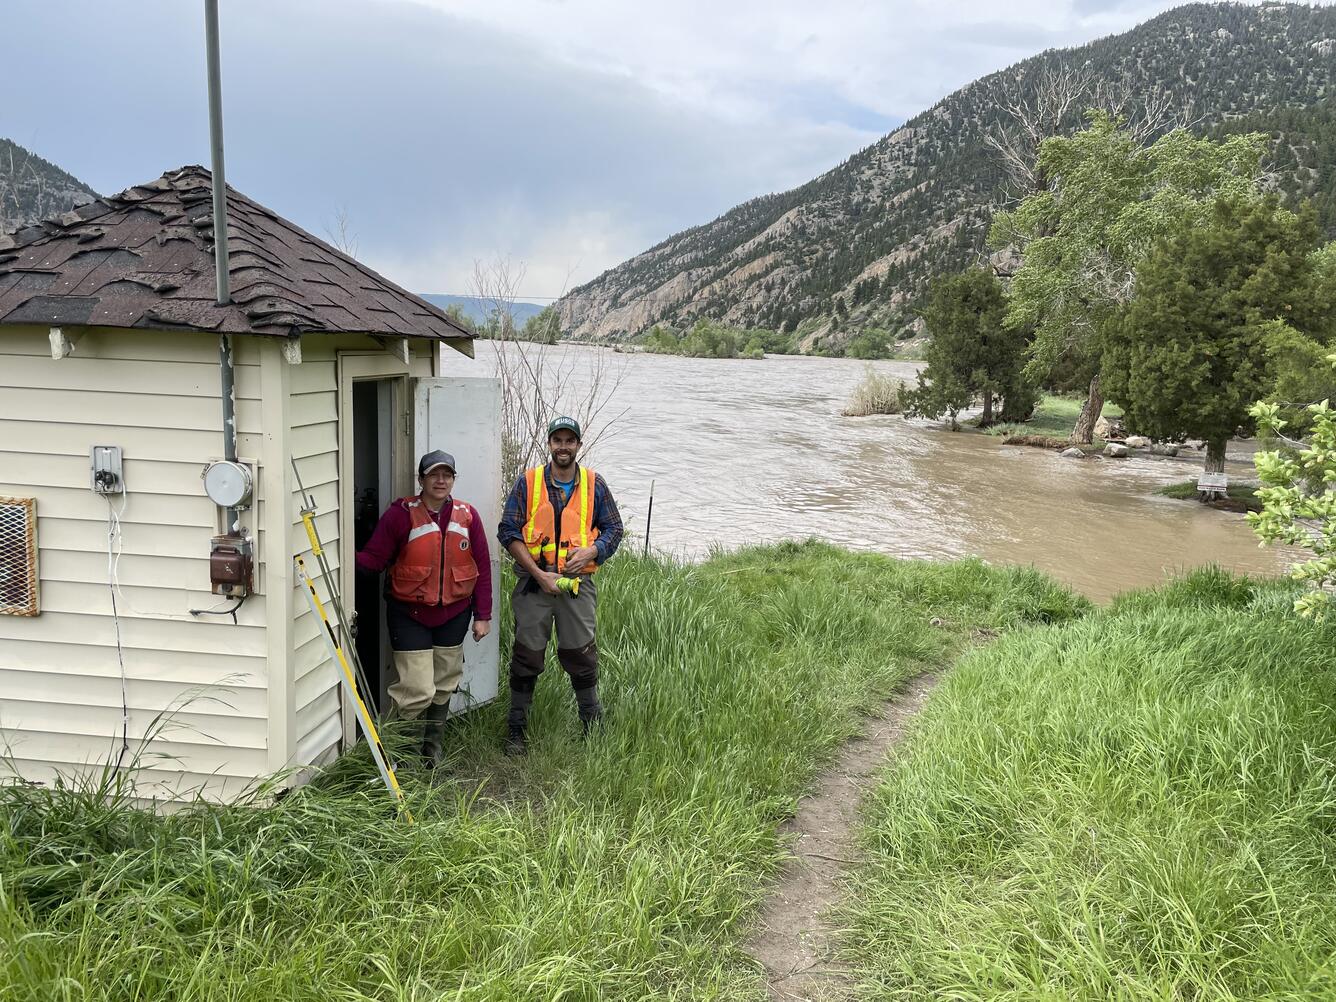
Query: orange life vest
[548,548]
[434,567]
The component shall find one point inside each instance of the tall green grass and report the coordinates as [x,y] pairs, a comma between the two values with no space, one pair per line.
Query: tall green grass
[1138,805]
[1055,415]
[623,868]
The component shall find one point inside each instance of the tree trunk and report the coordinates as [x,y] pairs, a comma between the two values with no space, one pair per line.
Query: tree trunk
[987,417]
[1215,455]
[1084,432]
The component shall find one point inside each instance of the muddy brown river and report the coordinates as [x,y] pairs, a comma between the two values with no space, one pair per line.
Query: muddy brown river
[750,451]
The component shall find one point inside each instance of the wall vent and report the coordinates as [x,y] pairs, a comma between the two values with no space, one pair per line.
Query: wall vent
[18,556]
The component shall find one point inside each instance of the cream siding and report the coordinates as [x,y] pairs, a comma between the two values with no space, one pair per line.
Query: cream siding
[200,685]
[243,701]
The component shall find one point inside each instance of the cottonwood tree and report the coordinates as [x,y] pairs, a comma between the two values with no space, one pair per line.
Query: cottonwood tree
[1189,356]
[971,354]
[1082,238]
[1053,101]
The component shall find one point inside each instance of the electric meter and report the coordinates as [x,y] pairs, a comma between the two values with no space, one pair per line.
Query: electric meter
[228,484]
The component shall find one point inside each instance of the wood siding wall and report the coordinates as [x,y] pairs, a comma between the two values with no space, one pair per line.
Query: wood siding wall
[200,685]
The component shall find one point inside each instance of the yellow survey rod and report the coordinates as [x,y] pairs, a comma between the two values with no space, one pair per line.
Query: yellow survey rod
[350,684]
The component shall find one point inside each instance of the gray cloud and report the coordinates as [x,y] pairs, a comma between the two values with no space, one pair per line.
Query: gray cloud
[567,136]
[446,141]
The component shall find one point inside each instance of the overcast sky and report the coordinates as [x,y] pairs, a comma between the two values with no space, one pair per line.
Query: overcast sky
[566,135]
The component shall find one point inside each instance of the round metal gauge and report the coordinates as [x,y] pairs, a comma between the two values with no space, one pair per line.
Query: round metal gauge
[228,484]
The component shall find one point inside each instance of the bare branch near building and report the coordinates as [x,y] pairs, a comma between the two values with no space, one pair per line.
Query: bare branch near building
[540,381]
[340,233]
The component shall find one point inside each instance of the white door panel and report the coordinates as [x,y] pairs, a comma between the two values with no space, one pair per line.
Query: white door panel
[463,417]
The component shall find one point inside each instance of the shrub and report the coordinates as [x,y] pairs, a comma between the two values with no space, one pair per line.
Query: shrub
[876,394]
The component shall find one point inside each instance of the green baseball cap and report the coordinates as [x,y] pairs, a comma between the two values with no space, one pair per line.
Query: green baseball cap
[564,424]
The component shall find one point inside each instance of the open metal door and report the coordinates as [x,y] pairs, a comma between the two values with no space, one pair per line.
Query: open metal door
[463,417]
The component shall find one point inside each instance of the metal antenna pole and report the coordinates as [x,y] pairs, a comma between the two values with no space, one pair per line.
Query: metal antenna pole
[232,519]
[648,516]
[216,150]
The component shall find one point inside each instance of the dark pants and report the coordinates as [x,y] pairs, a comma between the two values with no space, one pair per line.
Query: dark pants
[407,634]
[536,612]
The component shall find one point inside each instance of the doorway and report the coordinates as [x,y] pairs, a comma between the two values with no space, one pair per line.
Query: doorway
[373,471]
[373,489]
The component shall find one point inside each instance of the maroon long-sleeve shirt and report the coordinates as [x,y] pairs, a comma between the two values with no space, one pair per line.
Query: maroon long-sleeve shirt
[388,539]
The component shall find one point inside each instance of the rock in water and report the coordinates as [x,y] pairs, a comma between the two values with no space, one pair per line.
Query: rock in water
[1138,442]
[1072,453]
[1115,451]
[1164,449]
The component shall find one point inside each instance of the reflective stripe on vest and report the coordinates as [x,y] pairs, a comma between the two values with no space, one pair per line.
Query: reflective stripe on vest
[548,548]
[434,568]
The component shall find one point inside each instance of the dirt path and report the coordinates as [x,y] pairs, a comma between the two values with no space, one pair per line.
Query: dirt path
[794,941]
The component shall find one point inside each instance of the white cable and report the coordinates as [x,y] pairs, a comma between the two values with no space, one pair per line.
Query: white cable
[116,565]
[113,536]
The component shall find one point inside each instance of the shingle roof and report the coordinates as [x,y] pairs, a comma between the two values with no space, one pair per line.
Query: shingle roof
[144,258]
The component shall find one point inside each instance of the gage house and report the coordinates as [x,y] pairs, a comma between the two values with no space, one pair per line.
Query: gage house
[130,624]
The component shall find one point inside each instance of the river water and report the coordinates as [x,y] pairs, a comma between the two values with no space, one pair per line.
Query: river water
[746,451]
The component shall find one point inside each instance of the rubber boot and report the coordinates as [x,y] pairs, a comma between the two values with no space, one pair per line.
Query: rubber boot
[517,721]
[433,733]
[589,708]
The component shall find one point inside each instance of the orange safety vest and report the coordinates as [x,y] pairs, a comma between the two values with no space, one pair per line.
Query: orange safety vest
[434,567]
[547,548]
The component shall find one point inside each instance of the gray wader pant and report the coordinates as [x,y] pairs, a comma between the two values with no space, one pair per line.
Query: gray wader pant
[536,612]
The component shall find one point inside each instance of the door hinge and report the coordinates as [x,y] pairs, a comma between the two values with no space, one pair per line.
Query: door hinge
[408,424]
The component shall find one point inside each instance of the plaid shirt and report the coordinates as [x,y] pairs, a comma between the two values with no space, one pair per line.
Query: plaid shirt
[607,519]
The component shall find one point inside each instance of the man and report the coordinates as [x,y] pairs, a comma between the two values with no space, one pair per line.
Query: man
[560,521]
[440,577]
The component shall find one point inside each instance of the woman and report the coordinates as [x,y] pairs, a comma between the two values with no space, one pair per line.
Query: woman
[440,577]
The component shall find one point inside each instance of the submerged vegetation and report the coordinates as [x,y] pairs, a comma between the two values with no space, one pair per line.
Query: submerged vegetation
[876,393]
[624,868]
[1242,496]
[1137,805]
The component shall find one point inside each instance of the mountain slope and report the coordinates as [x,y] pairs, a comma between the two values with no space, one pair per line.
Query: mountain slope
[864,239]
[32,188]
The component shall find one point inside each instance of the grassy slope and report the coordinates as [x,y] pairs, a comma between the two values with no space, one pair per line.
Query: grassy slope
[624,869]
[1139,805]
[1055,415]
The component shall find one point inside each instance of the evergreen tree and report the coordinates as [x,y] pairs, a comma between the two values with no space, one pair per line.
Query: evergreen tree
[1189,356]
[971,354]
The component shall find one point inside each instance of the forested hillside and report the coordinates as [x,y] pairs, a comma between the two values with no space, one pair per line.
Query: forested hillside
[32,188]
[856,247]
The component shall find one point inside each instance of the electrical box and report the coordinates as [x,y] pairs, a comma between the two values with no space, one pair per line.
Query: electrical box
[231,566]
[105,461]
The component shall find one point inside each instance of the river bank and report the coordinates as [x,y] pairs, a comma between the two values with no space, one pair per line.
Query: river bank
[627,867]
[758,451]
[1080,774]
